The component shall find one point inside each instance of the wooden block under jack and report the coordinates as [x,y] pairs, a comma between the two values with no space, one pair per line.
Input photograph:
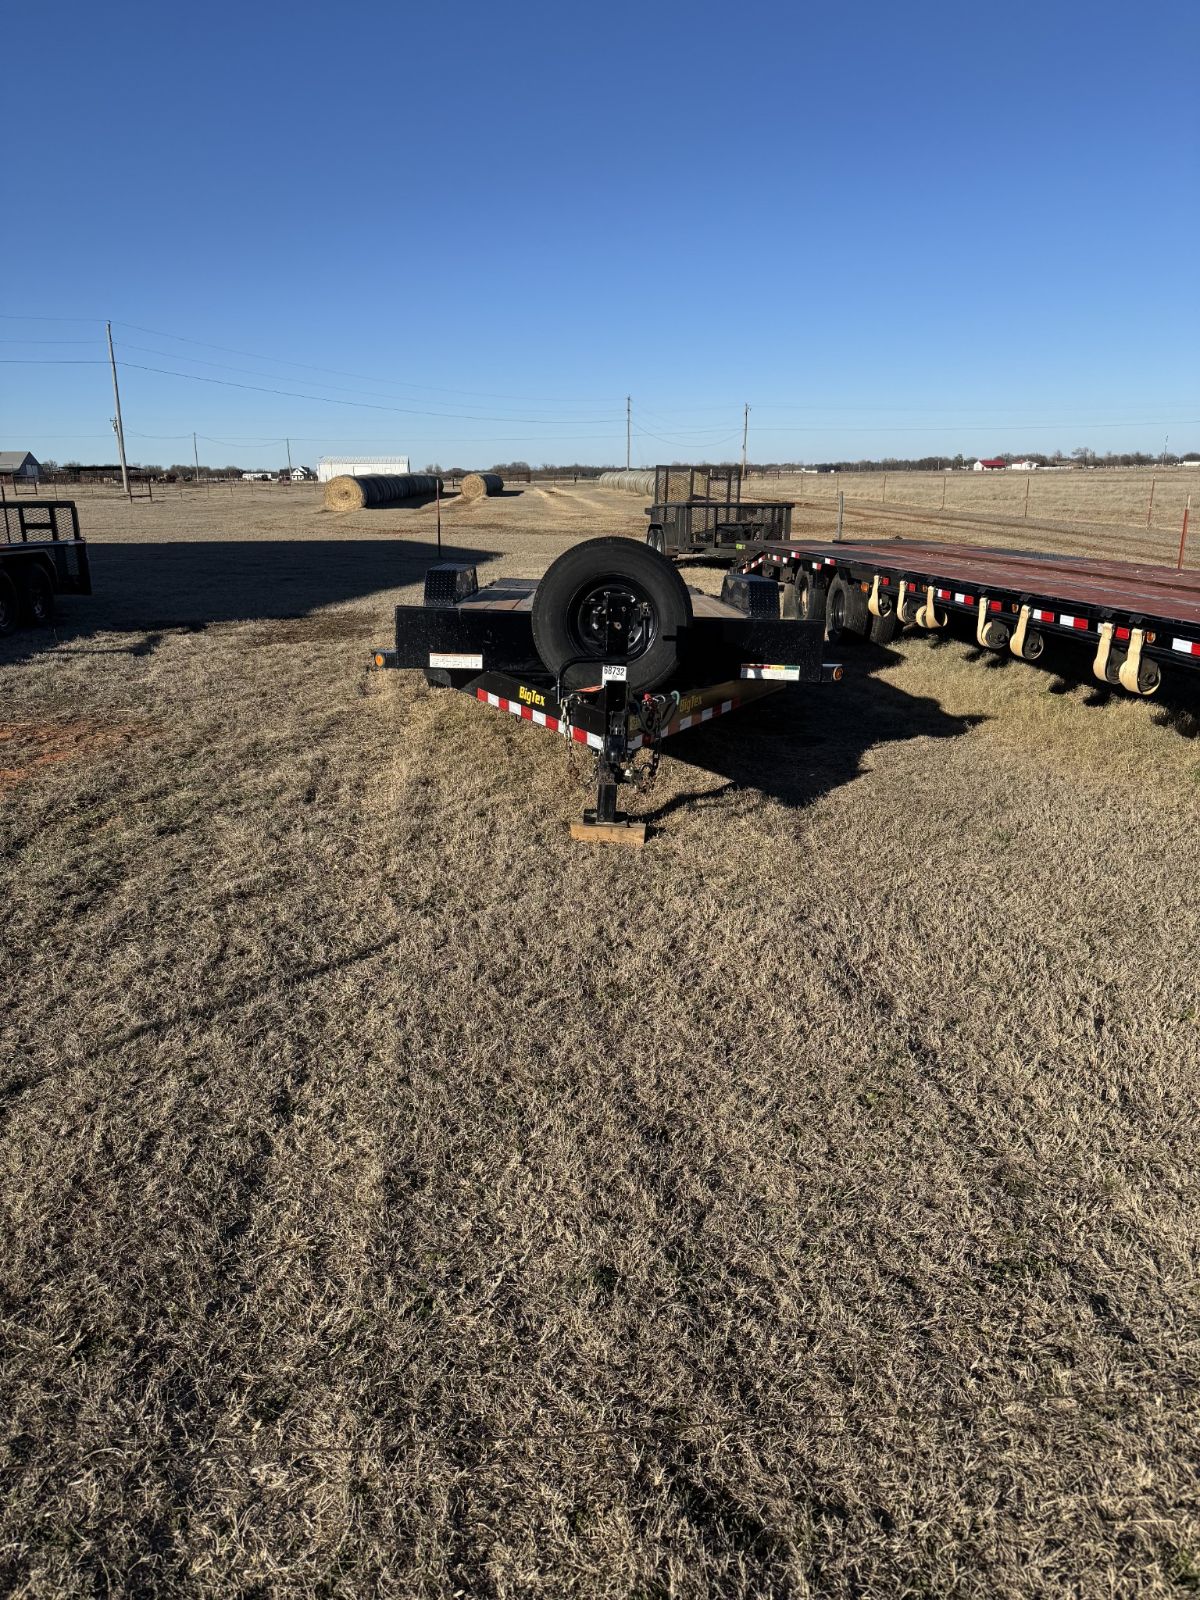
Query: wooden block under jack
[631,834]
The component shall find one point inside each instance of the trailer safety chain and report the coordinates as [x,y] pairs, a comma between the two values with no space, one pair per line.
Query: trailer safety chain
[654,714]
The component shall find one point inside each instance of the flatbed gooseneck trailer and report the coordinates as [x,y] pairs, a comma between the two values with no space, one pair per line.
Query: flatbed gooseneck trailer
[1134,618]
[611,650]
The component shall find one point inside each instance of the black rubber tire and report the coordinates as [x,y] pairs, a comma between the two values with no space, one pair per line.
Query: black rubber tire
[884,628]
[37,596]
[846,614]
[656,540]
[589,566]
[10,606]
[811,597]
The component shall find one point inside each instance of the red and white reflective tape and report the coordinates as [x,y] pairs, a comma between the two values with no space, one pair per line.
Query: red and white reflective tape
[528,714]
[1064,620]
[1186,647]
[706,715]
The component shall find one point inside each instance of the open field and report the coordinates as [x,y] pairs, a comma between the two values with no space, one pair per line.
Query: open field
[397,1199]
[1130,514]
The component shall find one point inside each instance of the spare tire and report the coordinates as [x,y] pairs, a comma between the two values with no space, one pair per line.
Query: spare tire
[569,603]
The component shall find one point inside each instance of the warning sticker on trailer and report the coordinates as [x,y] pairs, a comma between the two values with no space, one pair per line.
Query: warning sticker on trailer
[613,674]
[452,660]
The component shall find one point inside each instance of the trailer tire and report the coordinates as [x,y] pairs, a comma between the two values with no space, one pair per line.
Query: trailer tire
[37,596]
[811,597]
[10,609]
[563,600]
[846,614]
[884,628]
[656,540]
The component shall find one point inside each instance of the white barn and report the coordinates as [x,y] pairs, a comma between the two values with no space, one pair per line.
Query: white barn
[360,466]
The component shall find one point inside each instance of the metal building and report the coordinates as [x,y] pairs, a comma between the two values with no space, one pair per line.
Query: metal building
[360,467]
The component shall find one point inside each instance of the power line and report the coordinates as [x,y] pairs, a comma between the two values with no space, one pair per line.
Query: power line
[247,372]
[364,405]
[282,361]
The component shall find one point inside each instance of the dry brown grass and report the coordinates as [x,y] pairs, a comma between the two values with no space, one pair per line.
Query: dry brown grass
[399,1200]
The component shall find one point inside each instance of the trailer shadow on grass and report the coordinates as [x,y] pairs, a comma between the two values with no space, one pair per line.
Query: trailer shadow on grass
[156,587]
[804,742]
[1066,669]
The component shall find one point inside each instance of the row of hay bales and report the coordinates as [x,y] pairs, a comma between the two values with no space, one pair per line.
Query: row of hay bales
[377,489]
[635,482]
[346,493]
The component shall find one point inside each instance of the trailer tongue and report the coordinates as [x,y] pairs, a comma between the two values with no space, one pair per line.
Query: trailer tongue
[610,650]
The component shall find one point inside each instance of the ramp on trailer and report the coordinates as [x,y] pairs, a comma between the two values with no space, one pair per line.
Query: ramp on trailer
[1136,616]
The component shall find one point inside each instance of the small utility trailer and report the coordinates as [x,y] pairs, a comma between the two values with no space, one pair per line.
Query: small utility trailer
[700,511]
[42,554]
[611,650]
[1134,618]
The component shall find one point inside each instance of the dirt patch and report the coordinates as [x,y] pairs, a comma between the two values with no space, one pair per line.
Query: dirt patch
[25,746]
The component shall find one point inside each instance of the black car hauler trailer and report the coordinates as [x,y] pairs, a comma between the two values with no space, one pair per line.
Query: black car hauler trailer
[700,511]
[611,650]
[42,553]
[1134,619]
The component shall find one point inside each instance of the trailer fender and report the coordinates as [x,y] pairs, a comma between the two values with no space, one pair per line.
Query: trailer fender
[927,616]
[1137,675]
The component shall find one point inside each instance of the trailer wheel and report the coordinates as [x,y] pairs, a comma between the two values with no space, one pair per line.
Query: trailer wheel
[10,611]
[656,541]
[568,611]
[846,613]
[809,597]
[37,596]
[884,628]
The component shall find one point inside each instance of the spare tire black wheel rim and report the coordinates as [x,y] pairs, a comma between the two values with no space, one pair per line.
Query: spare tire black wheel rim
[590,613]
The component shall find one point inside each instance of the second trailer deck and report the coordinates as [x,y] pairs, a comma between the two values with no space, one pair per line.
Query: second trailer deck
[1134,614]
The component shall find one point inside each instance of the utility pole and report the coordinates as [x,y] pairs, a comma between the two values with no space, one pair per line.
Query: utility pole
[117,424]
[196,459]
[745,434]
[288,442]
[628,427]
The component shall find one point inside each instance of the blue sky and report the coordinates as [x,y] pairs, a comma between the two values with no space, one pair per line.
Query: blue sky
[466,232]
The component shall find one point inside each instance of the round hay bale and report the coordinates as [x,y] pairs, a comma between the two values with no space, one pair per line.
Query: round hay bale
[634,481]
[477,484]
[344,494]
[378,489]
